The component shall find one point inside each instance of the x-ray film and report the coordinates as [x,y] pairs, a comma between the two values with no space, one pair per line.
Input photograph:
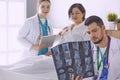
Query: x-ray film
[73,58]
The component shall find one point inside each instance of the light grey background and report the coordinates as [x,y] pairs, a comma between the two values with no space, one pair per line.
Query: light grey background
[31,8]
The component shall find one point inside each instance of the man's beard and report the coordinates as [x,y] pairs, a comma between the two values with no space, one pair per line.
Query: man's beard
[99,41]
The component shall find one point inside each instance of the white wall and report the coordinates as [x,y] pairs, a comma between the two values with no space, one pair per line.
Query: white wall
[59,10]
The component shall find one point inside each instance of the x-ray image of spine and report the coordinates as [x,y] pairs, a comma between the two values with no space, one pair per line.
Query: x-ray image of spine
[57,53]
[73,58]
[66,50]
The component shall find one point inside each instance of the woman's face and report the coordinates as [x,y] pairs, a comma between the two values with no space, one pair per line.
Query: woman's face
[76,16]
[44,8]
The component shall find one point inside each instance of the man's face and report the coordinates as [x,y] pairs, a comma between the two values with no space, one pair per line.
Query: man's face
[95,33]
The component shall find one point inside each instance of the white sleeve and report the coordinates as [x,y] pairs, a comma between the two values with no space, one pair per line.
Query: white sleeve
[86,36]
[22,36]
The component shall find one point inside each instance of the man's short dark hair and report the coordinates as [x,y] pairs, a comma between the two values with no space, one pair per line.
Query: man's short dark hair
[93,19]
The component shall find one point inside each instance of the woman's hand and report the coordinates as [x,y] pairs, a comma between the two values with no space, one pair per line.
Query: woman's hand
[38,47]
[72,26]
[48,53]
[76,78]
[63,31]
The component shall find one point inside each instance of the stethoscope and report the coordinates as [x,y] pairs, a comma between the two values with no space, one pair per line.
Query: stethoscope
[40,24]
[104,58]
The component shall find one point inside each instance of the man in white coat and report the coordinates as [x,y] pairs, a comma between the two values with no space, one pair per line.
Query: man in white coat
[106,51]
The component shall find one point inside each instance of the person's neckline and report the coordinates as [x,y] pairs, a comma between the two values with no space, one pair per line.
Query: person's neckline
[41,17]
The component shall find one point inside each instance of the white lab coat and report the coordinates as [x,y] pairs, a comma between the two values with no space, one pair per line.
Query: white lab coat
[78,33]
[29,33]
[33,67]
[114,60]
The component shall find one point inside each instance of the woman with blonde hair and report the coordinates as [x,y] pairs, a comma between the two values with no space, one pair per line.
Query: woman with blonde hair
[34,28]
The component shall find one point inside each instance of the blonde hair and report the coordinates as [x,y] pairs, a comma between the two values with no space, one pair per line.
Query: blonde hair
[40,1]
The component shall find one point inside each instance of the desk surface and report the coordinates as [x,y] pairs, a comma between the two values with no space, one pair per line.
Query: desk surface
[114,33]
